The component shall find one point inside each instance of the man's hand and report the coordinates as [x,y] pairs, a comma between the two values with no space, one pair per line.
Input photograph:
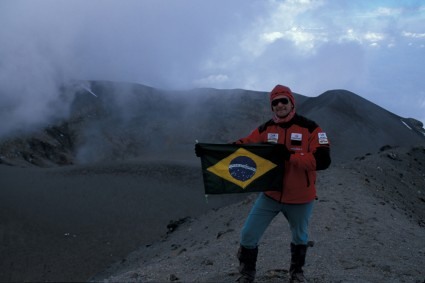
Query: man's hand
[282,151]
[198,150]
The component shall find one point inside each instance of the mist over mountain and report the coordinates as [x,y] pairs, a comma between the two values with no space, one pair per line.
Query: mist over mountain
[100,183]
[113,121]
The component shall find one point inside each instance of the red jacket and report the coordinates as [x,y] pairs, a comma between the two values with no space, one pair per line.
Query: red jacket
[311,152]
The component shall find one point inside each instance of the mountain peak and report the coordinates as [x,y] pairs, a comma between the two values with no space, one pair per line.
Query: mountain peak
[124,121]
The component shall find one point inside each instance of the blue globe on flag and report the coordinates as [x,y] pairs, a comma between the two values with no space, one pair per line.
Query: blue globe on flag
[242,168]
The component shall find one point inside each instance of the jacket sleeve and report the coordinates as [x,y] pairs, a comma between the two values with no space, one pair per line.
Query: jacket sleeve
[318,156]
[253,137]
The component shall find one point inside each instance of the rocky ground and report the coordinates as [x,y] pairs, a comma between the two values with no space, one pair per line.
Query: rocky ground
[368,226]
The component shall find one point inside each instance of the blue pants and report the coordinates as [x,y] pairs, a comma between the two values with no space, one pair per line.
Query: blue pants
[263,212]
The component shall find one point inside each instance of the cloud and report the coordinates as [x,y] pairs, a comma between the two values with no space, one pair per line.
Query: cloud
[212,80]
[272,36]
[374,36]
[282,23]
[310,45]
[34,62]
[413,34]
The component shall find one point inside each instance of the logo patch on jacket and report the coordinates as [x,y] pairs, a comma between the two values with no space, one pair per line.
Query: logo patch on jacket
[296,138]
[272,137]
[323,138]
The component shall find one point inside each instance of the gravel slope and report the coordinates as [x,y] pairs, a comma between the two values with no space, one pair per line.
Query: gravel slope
[368,226]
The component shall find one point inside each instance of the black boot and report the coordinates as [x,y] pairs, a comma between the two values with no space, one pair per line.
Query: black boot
[247,263]
[298,253]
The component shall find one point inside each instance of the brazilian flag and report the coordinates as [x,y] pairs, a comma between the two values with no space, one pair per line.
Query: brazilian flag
[241,168]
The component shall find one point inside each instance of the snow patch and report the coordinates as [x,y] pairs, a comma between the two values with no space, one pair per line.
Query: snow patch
[406,124]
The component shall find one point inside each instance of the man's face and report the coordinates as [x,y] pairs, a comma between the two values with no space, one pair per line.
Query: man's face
[282,106]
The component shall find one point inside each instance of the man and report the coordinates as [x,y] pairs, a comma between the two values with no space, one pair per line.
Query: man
[306,149]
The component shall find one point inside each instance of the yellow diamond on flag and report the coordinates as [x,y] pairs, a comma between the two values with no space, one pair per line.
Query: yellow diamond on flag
[242,167]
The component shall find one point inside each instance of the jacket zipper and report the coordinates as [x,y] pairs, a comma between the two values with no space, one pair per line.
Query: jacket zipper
[284,142]
[308,179]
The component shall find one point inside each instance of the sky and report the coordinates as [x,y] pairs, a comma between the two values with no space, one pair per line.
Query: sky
[375,49]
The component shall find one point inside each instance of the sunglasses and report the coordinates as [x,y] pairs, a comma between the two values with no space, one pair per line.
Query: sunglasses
[284,101]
